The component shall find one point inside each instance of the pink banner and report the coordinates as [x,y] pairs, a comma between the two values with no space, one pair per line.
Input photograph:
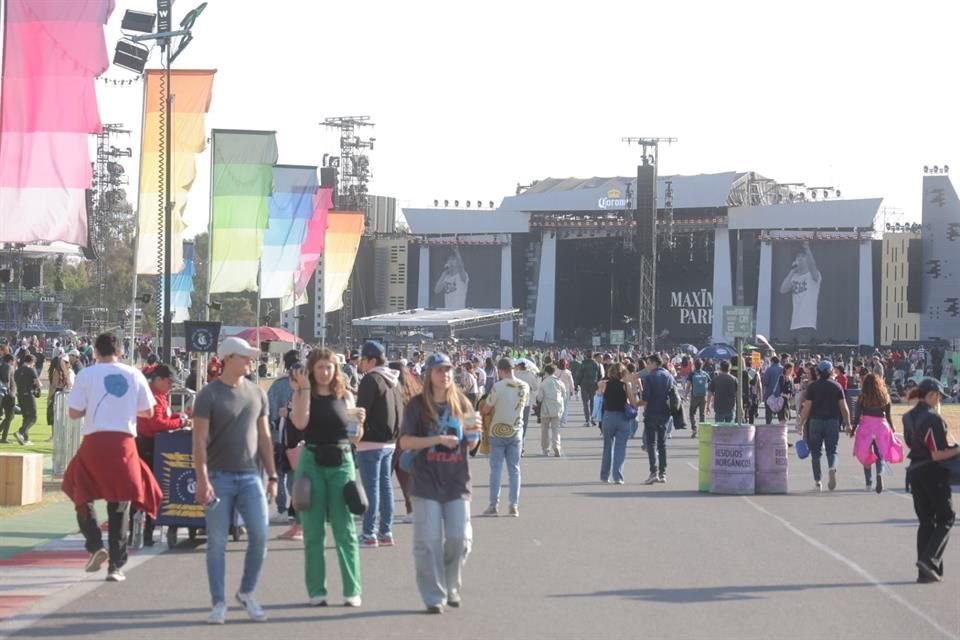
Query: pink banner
[312,247]
[53,52]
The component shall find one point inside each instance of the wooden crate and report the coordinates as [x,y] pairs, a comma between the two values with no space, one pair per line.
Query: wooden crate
[21,478]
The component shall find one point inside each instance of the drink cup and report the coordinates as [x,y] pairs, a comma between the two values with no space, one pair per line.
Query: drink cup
[353,423]
[470,422]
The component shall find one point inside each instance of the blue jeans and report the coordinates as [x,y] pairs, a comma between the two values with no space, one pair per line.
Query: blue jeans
[442,537]
[655,437]
[375,469]
[822,432]
[616,431]
[505,449]
[526,423]
[244,492]
[880,464]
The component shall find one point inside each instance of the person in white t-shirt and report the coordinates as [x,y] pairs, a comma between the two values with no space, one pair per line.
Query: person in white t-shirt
[453,282]
[803,283]
[506,403]
[109,396]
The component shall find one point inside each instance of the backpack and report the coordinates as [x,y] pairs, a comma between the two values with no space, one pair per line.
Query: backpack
[673,399]
[698,383]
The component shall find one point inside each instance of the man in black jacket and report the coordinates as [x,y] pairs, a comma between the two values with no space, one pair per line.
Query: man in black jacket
[8,401]
[379,394]
[588,378]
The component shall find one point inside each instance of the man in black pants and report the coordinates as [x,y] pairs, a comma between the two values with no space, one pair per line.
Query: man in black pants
[26,381]
[8,400]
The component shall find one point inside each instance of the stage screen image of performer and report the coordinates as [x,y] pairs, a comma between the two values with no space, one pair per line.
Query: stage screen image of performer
[465,276]
[815,296]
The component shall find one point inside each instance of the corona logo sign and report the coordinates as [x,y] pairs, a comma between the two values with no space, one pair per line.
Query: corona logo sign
[613,200]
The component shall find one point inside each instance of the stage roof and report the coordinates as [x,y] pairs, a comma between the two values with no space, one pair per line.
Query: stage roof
[818,214]
[450,319]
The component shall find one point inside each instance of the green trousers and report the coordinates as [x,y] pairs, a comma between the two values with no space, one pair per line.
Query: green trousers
[327,503]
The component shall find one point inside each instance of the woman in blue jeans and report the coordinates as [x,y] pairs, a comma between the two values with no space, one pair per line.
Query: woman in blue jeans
[615,425]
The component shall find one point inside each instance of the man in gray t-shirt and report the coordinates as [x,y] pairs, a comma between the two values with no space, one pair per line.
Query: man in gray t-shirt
[230,429]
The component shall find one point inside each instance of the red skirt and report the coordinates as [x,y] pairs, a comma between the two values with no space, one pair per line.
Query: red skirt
[108,467]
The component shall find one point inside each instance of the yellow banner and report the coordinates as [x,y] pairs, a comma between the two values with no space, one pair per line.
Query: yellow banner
[192,92]
[344,229]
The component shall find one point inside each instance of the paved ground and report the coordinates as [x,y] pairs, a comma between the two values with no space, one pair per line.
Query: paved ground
[584,559]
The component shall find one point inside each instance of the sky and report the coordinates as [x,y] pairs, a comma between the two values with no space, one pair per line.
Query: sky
[470,99]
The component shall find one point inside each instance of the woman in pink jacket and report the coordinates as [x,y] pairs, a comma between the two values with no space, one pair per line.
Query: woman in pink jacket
[876,443]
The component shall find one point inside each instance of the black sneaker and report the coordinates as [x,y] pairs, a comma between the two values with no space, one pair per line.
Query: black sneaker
[927,570]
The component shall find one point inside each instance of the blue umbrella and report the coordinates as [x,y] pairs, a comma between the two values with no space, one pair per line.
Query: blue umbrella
[717,352]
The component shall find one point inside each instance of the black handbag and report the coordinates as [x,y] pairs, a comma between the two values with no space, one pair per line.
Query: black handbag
[354,495]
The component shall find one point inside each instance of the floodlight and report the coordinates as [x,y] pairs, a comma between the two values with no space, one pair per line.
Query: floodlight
[131,55]
[139,21]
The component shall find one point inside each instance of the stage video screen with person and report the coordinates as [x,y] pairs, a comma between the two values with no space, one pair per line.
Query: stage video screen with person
[815,297]
[465,276]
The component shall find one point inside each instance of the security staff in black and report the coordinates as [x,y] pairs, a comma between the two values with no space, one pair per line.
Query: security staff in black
[930,480]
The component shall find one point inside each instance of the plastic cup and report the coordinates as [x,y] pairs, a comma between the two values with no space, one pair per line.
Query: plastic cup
[353,423]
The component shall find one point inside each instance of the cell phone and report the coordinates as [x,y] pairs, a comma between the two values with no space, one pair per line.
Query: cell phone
[296,367]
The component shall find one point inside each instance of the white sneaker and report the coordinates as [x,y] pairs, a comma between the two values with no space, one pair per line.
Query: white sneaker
[253,608]
[97,558]
[218,615]
[278,518]
[818,486]
[115,575]
[652,479]
[407,519]
[318,601]
[352,601]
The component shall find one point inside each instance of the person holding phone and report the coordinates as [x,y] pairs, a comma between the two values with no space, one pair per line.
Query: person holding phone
[330,428]
[441,423]
[279,397]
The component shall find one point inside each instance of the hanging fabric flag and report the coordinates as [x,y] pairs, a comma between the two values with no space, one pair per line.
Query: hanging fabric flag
[192,91]
[312,247]
[344,229]
[241,184]
[52,53]
[181,284]
[290,211]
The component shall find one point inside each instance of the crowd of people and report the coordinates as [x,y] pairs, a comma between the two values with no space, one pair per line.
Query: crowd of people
[322,445]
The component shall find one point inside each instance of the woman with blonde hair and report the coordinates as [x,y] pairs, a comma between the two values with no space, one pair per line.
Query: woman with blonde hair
[321,411]
[873,430]
[439,426]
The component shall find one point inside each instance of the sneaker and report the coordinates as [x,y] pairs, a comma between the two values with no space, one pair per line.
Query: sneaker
[546,453]
[662,478]
[491,511]
[385,540]
[832,481]
[407,519]
[620,481]
[352,601]
[514,511]
[557,453]
[818,486]
[368,542]
[293,533]
[115,575]
[869,487]
[318,601]
[253,608]
[435,609]
[28,443]
[652,479]
[278,518]
[218,615]
[97,558]
[927,571]
[693,435]
[453,600]
[20,438]
[879,484]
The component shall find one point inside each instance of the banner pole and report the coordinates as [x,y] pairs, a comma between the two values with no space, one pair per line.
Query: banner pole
[136,232]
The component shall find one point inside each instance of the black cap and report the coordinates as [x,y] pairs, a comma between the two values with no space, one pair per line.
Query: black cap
[354,355]
[930,384]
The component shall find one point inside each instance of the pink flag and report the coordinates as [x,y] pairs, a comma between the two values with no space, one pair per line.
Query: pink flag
[53,52]
[312,247]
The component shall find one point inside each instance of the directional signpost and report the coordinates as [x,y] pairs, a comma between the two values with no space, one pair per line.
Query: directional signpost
[739,323]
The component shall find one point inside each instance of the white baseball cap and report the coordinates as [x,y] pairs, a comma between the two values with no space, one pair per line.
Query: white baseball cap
[237,347]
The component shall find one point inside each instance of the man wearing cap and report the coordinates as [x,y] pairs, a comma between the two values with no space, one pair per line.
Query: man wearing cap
[824,408]
[231,431]
[379,395]
[351,371]
[506,403]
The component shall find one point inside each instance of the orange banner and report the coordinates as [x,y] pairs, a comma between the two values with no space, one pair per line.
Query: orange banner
[344,229]
[192,92]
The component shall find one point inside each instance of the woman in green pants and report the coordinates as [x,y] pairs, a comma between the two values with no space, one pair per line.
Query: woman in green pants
[320,411]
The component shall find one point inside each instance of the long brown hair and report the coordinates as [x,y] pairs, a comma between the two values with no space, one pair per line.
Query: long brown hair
[409,385]
[873,392]
[458,403]
[338,387]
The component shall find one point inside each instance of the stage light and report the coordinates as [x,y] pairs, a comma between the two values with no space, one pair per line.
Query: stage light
[131,55]
[946,168]
[138,21]
[491,204]
[456,203]
[468,204]
[926,169]
[446,203]
[144,298]
[813,194]
[826,194]
[837,193]
[436,203]
[936,169]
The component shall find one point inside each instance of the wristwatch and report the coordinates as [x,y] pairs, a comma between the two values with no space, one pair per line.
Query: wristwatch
[273,479]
